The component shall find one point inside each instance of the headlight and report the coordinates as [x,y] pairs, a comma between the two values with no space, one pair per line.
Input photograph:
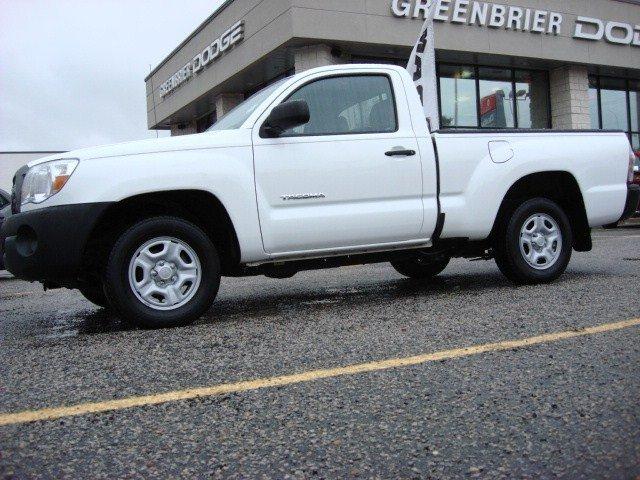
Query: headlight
[45,180]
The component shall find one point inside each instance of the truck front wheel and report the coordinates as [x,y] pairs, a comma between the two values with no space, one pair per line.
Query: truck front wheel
[534,243]
[421,267]
[94,293]
[162,272]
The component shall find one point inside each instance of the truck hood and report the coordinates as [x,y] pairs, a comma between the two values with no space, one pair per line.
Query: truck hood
[207,140]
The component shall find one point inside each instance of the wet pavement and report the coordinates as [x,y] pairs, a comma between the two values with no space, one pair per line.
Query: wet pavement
[569,409]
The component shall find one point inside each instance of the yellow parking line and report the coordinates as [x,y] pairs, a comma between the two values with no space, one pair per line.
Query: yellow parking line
[178,395]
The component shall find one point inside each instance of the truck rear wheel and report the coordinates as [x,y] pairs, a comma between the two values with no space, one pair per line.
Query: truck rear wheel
[534,244]
[162,272]
[421,267]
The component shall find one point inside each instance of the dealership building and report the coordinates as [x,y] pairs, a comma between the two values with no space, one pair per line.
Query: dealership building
[560,64]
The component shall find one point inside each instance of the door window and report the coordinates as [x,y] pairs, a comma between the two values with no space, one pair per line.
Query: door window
[347,105]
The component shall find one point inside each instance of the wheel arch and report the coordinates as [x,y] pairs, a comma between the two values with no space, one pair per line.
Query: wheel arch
[559,186]
[200,207]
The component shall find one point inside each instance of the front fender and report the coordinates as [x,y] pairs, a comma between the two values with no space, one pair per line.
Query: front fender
[227,173]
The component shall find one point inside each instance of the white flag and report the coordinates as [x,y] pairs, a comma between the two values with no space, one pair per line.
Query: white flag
[422,66]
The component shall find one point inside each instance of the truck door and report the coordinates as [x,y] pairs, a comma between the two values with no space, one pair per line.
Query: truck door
[352,177]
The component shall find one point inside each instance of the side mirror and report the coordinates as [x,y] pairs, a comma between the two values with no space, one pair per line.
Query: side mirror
[285,116]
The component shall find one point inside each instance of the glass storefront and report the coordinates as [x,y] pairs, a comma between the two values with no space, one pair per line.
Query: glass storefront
[615,104]
[488,97]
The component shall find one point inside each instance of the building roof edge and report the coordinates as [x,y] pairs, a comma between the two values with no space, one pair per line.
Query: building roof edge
[200,27]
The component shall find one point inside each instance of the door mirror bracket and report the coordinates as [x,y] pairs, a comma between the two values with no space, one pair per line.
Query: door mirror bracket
[285,116]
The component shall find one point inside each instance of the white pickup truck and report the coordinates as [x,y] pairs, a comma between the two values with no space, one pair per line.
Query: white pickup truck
[334,166]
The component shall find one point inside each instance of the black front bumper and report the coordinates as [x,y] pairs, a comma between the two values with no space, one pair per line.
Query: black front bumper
[633,202]
[47,245]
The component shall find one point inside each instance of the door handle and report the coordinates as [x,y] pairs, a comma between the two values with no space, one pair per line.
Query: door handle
[400,153]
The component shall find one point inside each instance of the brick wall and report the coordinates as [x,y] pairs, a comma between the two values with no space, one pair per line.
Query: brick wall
[570,98]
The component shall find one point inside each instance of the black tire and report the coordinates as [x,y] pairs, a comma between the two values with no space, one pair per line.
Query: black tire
[421,267]
[121,294]
[95,294]
[508,254]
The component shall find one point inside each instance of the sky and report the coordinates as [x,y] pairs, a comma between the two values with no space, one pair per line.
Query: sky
[72,71]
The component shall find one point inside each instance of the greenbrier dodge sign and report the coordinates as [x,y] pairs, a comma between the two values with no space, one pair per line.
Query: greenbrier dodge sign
[210,54]
[493,15]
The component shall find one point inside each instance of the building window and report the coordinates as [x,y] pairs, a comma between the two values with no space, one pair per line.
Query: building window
[532,99]
[594,103]
[615,105]
[458,97]
[496,93]
[487,97]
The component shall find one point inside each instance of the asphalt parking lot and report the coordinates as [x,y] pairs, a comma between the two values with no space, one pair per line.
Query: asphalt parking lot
[564,406]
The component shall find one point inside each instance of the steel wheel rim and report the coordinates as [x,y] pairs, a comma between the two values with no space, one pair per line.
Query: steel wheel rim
[165,273]
[540,241]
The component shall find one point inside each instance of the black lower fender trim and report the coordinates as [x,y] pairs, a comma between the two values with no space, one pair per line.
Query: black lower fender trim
[47,244]
[632,204]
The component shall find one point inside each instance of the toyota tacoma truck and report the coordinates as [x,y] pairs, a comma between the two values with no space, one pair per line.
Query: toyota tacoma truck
[331,167]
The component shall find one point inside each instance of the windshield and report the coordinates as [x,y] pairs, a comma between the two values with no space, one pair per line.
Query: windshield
[236,117]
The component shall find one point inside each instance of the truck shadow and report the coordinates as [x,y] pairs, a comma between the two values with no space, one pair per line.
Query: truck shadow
[289,303]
